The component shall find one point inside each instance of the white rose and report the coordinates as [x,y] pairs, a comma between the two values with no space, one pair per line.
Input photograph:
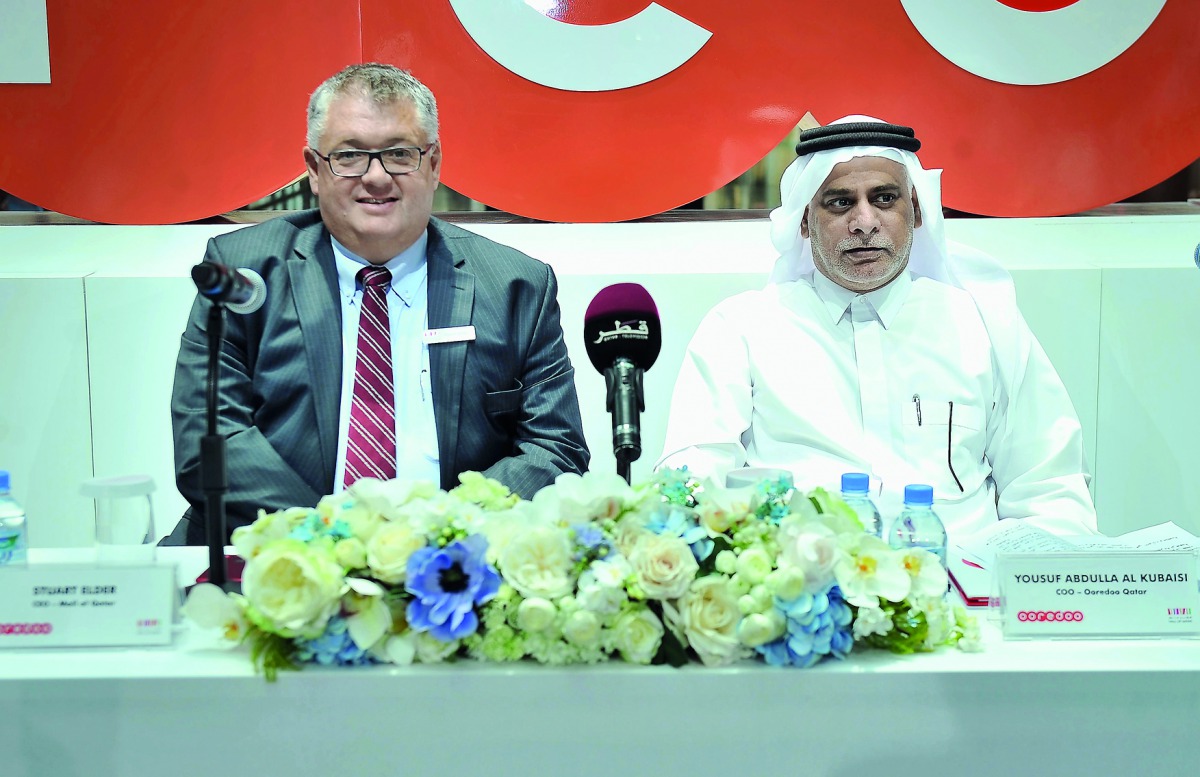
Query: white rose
[754,565]
[638,635]
[582,629]
[708,615]
[664,566]
[293,588]
[726,562]
[537,562]
[358,517]
[268,527]
[535,615]
[601,589]
[759,628]
[351,553]
[629,532]
[389,549]
[786,583]
[813,549]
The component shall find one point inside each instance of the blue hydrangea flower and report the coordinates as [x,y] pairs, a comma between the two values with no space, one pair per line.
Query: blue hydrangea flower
[333,648]
[675,522]
[448,583]
[818,625]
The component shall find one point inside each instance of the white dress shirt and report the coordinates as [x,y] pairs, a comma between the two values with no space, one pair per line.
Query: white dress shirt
[408,307]
[901,383]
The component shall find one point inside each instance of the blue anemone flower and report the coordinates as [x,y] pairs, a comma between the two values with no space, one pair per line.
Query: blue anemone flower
[447,583]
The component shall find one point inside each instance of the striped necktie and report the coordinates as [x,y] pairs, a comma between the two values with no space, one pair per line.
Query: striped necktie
[371,441]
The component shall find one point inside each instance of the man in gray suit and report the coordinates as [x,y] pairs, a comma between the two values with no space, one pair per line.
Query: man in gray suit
[482,380]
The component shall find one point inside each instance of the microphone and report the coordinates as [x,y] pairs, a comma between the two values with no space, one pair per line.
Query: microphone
[623,336]
[241,290]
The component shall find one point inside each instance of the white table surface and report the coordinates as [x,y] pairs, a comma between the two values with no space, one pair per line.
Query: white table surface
[1058,707]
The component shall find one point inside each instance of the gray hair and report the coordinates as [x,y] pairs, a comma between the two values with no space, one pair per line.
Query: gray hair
[383,84]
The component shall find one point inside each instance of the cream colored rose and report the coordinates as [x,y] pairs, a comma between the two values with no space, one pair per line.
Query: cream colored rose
[582,629]
[538,562]
[629,532]
[664,566]
[268,527]
[708,616]
[753,565]
[761,627]
[535,615]
[637,636]
[786,583]
[351,553]
[722,506]
[390,548]
[355,513]
[293,589]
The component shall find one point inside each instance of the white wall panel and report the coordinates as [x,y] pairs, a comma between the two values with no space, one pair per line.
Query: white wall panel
[1148,467]
[133,334]
[45,430]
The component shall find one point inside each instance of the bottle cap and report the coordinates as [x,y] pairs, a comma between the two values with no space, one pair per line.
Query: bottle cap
[123,486]
[918,495]
[4,485]
[856,482]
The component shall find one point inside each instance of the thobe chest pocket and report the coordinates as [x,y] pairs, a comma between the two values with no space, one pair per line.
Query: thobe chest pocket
[944,440]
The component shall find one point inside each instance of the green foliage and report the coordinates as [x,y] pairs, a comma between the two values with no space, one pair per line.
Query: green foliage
[910,632]
[271,653]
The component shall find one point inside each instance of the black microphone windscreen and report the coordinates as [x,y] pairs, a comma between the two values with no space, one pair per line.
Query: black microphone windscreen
[622,322]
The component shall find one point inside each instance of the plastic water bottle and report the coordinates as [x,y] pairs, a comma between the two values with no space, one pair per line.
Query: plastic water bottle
[856,493]
[918,525]
[12,525]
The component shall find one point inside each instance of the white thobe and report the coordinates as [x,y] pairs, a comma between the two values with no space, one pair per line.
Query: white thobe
[902,383]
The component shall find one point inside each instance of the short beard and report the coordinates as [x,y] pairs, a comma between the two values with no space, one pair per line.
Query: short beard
[823,264]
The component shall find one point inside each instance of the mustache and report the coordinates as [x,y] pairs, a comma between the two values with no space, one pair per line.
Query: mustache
[878,241]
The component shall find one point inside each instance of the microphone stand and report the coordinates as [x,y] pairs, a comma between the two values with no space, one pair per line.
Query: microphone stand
[214,475]
[625,400]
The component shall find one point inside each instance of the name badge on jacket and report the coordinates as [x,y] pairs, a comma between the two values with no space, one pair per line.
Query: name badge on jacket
[450,334]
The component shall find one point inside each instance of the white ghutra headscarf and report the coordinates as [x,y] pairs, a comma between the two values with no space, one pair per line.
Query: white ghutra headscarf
[932,256]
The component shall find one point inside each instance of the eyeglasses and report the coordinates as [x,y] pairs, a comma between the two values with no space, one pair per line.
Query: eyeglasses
[354,163]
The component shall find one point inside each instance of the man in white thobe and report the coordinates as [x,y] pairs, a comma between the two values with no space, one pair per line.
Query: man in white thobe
[877,348]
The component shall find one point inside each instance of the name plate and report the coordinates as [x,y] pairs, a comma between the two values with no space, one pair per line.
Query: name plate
[1099,594]
[79,605]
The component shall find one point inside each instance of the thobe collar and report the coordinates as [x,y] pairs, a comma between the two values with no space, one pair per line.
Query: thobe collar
[884,304]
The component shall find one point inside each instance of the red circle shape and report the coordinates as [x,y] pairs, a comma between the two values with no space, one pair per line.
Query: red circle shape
[165,112]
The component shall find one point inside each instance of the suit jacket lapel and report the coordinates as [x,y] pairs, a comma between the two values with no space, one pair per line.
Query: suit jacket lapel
[315,292]
[451,299]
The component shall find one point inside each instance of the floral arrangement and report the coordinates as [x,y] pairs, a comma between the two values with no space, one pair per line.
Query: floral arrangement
[590,569]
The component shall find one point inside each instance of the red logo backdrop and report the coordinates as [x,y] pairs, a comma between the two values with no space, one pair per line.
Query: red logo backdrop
[162,112]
